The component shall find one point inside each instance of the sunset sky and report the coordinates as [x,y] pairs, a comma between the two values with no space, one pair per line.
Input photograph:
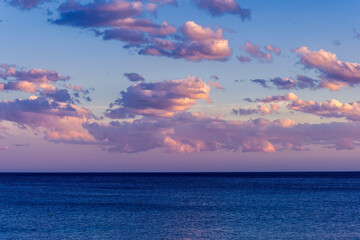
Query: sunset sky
[179,85]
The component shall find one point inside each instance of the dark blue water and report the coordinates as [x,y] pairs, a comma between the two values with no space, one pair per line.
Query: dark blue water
[180,206]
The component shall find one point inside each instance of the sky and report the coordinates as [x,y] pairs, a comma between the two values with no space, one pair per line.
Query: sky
[179,85]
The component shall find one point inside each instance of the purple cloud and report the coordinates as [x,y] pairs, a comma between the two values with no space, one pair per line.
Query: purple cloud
[254,52]
[159,98]
[357,35]
[196,44]
[37,81]
[244,59]
[114,20]
[221,7]
[337,43]
[97,14]
[134,77]
[193,132]
[261,82]
[334,73]
[262,109]
[330,109]
[26,4]
[57,121]
[124,21]
[300,82]
[215,77]
[49,110]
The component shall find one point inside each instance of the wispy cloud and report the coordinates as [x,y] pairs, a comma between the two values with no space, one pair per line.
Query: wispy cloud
[221,7]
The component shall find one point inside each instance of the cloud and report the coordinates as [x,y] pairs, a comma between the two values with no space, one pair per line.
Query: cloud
[76,87]
[261,82]
[154,5]
[262,109]
[35,80]
[254,52]
[121,19]
[215,77]
[134,77]
[278,98]
[221,7]
[22,144]
[273,49]
[60,95]
[48,110]
[244,59]
[337,43]
[300,82]
[124,21]
[357,35]
[133,38]
[183,132]
[97,14]
[58,121]
[26,4]
[39,81]
[4,148]
[197,43]
[331,109]
[334,73]
[216,85]
[162,2]
[10,72]
[194,132]
[159,98]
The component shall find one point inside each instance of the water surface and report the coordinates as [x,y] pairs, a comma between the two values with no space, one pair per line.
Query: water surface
[180,206]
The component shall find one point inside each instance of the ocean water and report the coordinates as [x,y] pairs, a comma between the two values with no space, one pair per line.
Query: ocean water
[180,206]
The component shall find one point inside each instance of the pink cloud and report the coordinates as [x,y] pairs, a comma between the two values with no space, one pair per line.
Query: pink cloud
[11,73]
[273,49]
[50,110]
[333,85]
[76,87]
[124,21]
[146,26]
[58,121]
[4,148]
[116,19]
[97,14]
[262,109]
[159,98]
[332,108]
[335,73]
[278,98]
[36,81]
[195,132]
[216,85]
[199,43]
[255,52]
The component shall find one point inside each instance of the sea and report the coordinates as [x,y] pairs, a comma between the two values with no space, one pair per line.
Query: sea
[298,205]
